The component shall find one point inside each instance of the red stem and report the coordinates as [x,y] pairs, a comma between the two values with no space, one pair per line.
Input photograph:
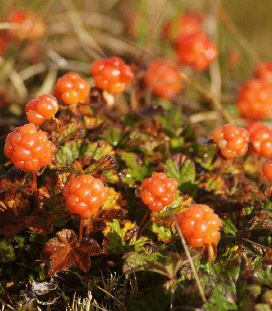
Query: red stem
[143,220]
[36,195]
[81,228]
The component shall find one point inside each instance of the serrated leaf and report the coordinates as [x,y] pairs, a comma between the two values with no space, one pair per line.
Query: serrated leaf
[121,236]
[69,131]
[80,148]
[182,169]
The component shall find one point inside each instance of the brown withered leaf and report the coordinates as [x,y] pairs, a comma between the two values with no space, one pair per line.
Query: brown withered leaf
[267,260]
[51,192]
[104,169]
[40,221]
[210,251]
[14,201]
[66,250]
[113,208]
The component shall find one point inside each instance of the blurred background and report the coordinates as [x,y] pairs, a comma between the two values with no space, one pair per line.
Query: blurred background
[76,32]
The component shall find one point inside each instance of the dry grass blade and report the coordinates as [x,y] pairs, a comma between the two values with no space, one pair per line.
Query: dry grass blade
[200,288]
[84,37]
[49,81]
[31,71]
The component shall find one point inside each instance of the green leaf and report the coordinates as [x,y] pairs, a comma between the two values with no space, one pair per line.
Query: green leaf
[182,169]
[163,231]
[75,149]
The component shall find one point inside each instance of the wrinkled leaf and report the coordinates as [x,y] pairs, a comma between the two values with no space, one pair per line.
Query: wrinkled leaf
[66,250]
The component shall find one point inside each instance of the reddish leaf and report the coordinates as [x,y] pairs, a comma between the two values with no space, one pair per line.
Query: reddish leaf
[40,221]
[14,201]
[66,250]
[111,209]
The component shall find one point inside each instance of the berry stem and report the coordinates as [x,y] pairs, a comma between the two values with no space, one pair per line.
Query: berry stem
[200,288]
[36,195]
[81,228]
[143,220]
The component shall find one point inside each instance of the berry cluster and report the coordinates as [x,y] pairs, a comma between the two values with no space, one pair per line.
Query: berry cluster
[255,99]
[27,148]
[231,140]
[163,78]
[158,191]
[196,50]
[185,23]
[72,89]
[84,195]
[31,26]
[111,74]
[37,110]
[199,225]
[261,140]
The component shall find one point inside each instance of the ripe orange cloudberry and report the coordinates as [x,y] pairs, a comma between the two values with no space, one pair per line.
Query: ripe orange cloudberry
[267,169]
[72,89]
[199,225]
[163,78]
[37,110]
[196,50]
[84,195]
[261,139]
[111,74]
[231,140]
[31,26]
[185,23]
[255,100]
[263,71]
[158,191]
[27,148]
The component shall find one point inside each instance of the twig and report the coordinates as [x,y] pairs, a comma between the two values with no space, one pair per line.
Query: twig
[200,288]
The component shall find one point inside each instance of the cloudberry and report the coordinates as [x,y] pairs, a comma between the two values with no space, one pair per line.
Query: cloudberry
[31,26]
[231,140]
[72,89]
[263,71]
[267,169]
[163,78]
[255,100]
[27,148]
[261,140]
[37,110]
[84,195]
[185,23]
[199,225]
[111,74]
[158,191]
[196,50]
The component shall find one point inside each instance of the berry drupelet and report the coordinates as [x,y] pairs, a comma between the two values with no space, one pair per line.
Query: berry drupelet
[163,78]
[196,50]
[111,74]
[84,195]
[267,169]
[199,225]
[231,140]
[254,100]
[72,89]
[28,149]
[261,140]
[37,110]
[159,191]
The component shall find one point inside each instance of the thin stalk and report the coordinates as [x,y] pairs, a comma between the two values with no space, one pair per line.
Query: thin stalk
[200,288]
[143,220]
[36,195]
[81,228]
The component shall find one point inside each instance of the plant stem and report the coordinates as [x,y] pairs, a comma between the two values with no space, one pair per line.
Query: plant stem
[36,195]
[143,220]
[81,228]
[200,288]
